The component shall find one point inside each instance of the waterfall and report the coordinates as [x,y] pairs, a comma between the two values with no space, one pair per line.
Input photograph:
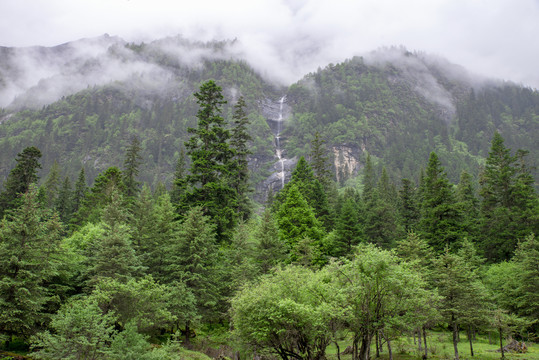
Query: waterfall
[278,149]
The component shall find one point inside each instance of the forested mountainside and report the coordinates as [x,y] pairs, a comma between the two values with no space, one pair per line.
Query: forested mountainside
[363,242]
[396,105]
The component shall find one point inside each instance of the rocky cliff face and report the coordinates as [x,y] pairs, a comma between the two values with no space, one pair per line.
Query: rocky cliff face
[346,160]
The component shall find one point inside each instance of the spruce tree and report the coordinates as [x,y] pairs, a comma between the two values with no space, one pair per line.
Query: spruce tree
[509,204]
[211,156]
[64,202]
[20,178]
[348,229]
[132,163]
[441,220]
[29,244]
[408,206]
[239,143]
[52,185]
[320,161]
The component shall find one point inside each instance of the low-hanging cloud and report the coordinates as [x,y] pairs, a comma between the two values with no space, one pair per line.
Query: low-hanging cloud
[286,39]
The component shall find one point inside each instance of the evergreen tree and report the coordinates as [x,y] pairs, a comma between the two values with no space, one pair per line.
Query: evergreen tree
[64,203]
[526,294]
[29,244]
[20,178]
[409,208]
[270,250]
[113,256]
[132,162]
[509,206]
[192,258]
[468,204]
[238,142]
[52,185]
[441,220]
[369,178]
[211,158]
[348,229]
[320,161]
[179,183]
[80,190]
[296,221]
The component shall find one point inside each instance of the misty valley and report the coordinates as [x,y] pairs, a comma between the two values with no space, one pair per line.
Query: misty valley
[175,200]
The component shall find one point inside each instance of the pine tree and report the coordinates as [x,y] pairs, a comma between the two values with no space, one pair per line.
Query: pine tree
[238,142]
[270,250]
[29,244]
[211,158]
[468,204]
[52,185]
[132,162]
[179,183]
[348,229]
[64,202]
[20,178]
[369,179]
[296,221]
[441,221]
[320,161]
[409,208]
[527,279]
[80,190]
[509,204]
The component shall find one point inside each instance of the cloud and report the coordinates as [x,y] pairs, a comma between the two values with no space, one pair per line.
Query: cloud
[288,38]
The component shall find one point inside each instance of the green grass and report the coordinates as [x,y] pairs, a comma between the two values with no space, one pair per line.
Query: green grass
[441,347]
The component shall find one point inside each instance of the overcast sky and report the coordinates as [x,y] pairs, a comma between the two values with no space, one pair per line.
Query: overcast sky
[496,38]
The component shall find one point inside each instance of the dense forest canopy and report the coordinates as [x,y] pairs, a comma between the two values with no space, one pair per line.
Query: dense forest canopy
[131,217]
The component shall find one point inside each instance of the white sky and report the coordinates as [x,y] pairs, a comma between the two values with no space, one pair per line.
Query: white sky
[496,38]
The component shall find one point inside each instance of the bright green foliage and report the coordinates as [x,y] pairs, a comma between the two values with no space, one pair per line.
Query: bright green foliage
[132,163]
[526,278]
[312,191]
[287,314]
[29,247]
[143,302]
[211,157]
[81,331]
[464,299]
[379,293]
[417,252]
[20,178]
[239,139]
[296,221]
[509,205]
[441,220]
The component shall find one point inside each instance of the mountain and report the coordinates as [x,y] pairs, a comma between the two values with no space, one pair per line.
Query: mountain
[82,102]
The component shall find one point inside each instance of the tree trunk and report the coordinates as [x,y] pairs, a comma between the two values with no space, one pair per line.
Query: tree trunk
[389,350]
[470,338]
[377,344]
[365,347]
[355,354]
[501,343]
[338,349]
[187,333]
[425,340]
[414,338]
[455,337]
[489,338]
[419,341]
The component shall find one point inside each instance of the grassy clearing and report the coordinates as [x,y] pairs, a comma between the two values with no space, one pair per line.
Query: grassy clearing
[441,347]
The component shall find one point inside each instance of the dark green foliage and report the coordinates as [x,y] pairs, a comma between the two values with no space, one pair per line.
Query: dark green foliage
[64,203]
[270,250]
[211,157]
[132,162]
[29,244]
[408,206]
[320,161]
[441,220]
[239,140]
[509,205]
[348,231]
[20,178]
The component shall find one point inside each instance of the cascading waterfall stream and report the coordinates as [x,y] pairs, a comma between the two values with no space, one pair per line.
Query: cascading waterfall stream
[278,149]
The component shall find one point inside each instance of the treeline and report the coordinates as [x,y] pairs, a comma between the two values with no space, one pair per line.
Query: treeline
[104,270]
